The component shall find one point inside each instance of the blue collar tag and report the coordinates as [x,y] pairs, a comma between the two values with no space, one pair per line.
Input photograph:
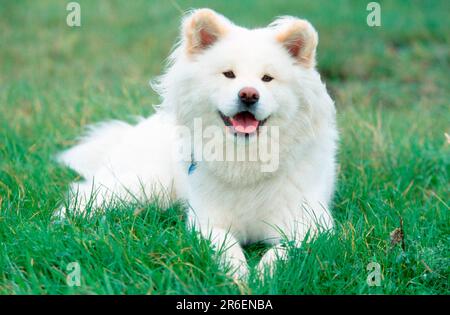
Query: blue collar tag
[192,168]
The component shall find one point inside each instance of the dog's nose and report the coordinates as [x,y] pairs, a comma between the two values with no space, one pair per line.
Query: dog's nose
[248,96]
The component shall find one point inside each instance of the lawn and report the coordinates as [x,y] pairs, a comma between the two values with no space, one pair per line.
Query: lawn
[391,87]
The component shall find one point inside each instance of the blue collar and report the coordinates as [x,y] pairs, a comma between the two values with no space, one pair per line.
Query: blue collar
[192,166]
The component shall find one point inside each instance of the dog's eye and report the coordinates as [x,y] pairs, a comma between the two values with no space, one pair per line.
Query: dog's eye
[267,78]
[229,74]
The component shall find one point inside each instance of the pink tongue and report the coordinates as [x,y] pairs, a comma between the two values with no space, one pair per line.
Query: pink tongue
[244,122]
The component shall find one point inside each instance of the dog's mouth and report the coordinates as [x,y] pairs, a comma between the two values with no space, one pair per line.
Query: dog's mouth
[243,123]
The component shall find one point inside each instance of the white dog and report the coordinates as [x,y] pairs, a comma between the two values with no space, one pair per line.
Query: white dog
[239,81]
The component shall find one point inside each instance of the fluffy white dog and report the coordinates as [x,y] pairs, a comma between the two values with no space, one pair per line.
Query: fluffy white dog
[244,83]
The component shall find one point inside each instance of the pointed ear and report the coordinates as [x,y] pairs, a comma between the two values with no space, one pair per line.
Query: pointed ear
[202,28]
[299,38]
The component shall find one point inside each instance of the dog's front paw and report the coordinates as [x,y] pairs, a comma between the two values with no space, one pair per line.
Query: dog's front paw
[235,264]
[266,266]
[239,271]
[59,214]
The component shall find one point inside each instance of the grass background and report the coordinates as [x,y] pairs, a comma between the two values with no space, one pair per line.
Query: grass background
[391,86]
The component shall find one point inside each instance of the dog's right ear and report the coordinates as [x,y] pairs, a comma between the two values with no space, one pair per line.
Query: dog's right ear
[202,28]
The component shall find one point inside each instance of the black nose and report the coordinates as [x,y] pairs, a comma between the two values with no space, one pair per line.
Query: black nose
[248,96]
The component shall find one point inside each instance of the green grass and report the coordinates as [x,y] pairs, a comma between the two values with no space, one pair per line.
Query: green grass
[391,87]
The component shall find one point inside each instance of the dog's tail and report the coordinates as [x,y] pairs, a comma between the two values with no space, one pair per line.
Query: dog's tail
[89,154]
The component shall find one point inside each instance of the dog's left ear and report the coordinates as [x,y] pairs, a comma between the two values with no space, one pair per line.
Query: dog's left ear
[299,37]
[202,28]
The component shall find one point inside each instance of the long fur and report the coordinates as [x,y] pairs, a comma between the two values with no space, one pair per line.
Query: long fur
[231,202]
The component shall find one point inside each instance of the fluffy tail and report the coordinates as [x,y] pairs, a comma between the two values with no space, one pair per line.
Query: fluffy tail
[89,154]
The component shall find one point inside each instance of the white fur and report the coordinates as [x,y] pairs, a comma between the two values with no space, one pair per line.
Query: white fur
[230,202]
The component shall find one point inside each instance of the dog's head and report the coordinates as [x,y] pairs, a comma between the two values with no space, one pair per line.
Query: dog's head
[243,79]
